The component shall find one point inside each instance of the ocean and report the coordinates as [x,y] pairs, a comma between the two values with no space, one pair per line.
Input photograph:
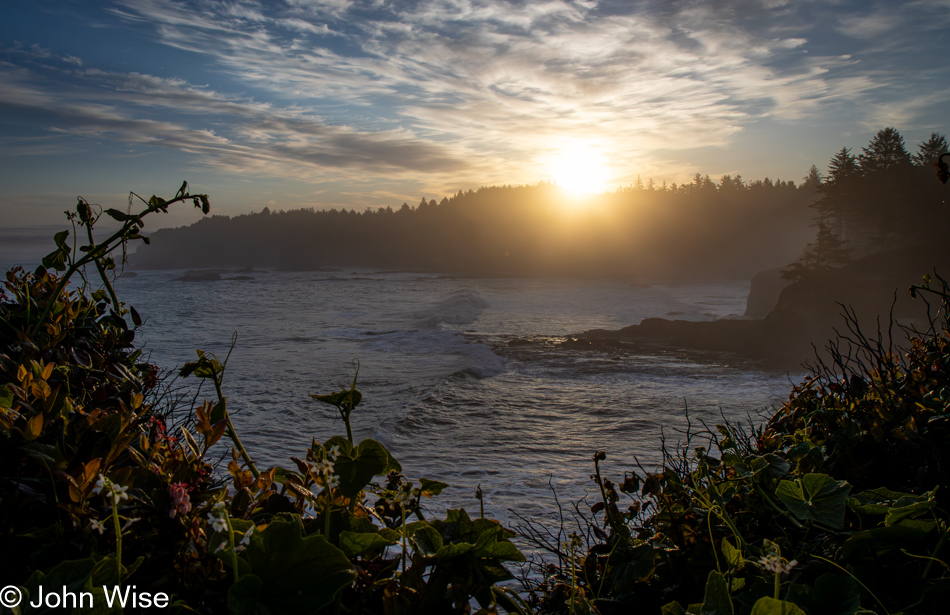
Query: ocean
[443,387]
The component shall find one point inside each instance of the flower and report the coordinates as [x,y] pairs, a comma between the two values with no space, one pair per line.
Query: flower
[247,536]
[333,481]
[129,523]
[180,499]
[101,484]
[218,524]
[325,467]
[776,564]
[119,492]
[97,525]
[334,452]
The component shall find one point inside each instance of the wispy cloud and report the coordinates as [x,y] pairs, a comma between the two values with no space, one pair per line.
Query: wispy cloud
[454,92]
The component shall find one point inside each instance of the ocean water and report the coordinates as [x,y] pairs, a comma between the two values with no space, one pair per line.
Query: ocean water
[442,388]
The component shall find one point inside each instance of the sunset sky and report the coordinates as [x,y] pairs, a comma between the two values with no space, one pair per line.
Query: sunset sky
[333,103]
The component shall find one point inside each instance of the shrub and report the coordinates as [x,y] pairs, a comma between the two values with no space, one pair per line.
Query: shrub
[838,504]
[104,483]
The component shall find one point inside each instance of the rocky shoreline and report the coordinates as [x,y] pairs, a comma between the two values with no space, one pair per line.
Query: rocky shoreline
[806,314]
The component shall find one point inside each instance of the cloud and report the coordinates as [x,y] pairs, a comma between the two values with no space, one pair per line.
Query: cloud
[455,92]
[254,137]
[510,78]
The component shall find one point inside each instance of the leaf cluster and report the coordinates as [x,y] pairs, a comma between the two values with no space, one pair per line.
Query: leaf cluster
[104,482]
[837,505]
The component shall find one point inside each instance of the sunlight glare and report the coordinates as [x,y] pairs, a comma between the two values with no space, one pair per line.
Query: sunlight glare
[579,169]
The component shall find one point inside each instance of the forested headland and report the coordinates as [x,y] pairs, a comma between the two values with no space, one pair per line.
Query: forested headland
[880,223]
[704,228]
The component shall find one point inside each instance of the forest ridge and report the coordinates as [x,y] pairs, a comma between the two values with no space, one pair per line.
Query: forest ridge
[699,229]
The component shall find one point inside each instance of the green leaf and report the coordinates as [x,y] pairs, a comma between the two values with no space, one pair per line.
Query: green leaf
[429,488]
[717,598]
[74,576]
[121,216]
[492,543]
[298,574]
[672,608]
[358,466]
[341,399]
[357,543]
[815,497]
[244,597]
[56,259]
[6,397]
[60,238]
[732,554]
[771,606]
[426,538]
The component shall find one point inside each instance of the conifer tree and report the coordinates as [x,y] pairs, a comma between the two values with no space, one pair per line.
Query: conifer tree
[885,152]
[929,150]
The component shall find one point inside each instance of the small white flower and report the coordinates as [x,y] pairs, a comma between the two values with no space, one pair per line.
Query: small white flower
[325,467]
[100,484]
[119,492]
[129,523]
[247,536]
[333,481]
[220,547]
[334,452]
[776,564]
[219,524]
[97,525]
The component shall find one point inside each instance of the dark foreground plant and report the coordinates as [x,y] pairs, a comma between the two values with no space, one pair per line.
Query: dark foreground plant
[838,505]
[103,488]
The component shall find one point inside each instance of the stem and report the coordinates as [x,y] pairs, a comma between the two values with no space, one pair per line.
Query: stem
[933,556]
[402,509]
[118,536]
[232,433]
[778,585]
[102,273]
[845,570]
[326,509]
[234,561]
[101,250]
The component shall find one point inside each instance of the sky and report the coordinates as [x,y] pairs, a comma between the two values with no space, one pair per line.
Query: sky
[356,104]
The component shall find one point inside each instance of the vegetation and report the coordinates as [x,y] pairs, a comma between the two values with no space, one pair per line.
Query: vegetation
[880,199]
[105,483]
[838,504]
[697,229]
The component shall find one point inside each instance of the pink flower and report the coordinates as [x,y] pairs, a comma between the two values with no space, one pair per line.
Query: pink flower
[180,500]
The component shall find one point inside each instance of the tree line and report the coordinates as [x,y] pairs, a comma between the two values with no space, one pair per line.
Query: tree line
[883,198]
[697,229]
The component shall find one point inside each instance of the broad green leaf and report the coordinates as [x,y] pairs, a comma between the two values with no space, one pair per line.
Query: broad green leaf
[430,488]
[6,397]
[298,574]
[815,497]
[426,538]
[357,543]
[672,608]
[357,467]
[875,501]
[717,598]
[492,543]
[74,576]
[771,606]
[732,554]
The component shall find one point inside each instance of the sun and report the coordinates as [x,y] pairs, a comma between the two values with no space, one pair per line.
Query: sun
[579,169]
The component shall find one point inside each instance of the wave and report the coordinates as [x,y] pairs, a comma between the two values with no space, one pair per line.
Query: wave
[461,307]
